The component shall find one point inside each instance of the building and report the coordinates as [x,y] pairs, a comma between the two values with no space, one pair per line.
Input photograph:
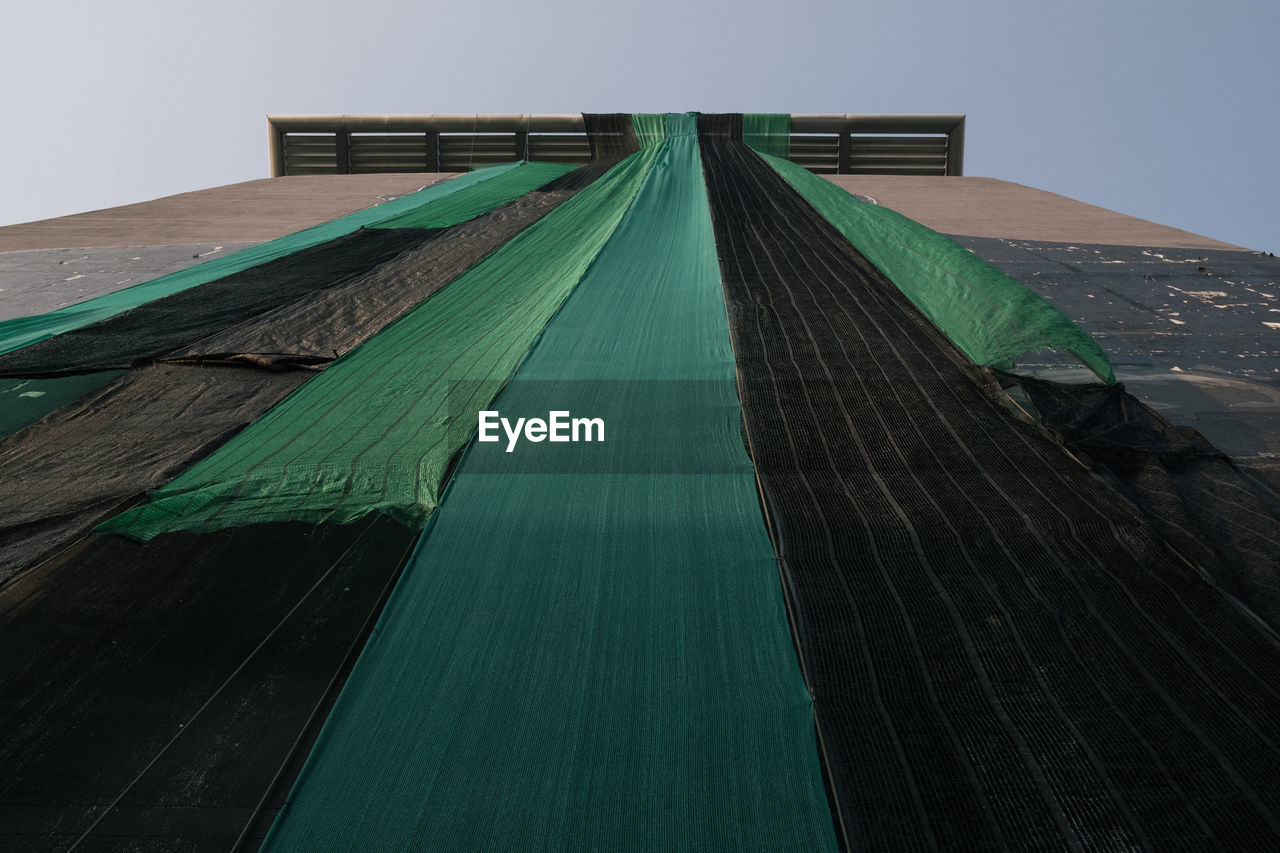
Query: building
[838,575]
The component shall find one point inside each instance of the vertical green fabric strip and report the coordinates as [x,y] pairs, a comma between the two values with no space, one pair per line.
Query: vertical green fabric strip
[466,196]
[651,128]
[375,431]
[589,649]
[991,317]
[464,206]
[768,133]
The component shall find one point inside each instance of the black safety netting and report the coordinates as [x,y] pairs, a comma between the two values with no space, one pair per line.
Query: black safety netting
[324,325]
[26,399]
[179,678]
[610,135]
[1003,654]
[582,177]
[301,310]
[62,475]
[86,461]
[148,633]
[1220,518]
[157,328]
[720,127]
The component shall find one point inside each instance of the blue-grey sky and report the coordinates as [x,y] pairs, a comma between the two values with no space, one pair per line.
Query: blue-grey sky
[1162,110]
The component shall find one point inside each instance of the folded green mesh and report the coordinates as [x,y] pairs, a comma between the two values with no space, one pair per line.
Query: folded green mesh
[472,191]
[990,316]
[768,133]
[592,655]
[375,431]
[465,206]
[651,128]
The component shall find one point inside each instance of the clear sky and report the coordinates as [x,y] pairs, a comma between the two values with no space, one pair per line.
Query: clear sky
[1165,110]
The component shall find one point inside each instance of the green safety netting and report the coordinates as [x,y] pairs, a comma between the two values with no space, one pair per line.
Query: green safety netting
[465,196]
[25,400]
[589,651]
[768,133]
[910,505]
[990,316]
[375,431]
[651,128]
[462,207]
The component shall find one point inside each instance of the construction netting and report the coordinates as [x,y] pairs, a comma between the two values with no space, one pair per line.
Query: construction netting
[610,135]
[990,316]
[160,327]
[1003,653]
[1216,516]
[768,133]
[375,431]
[326,323]
[21,331]
[650,128]
[463,206]
[207,362]
[230,641]
[89,459]
[25,400]
[642,661]
[813,543]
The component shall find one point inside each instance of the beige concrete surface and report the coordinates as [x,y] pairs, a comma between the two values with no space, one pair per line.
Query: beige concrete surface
[987,207]
[249,212]
[255,211]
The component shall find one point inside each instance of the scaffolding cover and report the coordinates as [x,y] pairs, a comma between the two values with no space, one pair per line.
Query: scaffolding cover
[989,315]
[1003,653]
[22,331]
[639,688]
[768,133]
[376,430]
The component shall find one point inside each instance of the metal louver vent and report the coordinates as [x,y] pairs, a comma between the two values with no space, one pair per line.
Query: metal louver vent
[827,144]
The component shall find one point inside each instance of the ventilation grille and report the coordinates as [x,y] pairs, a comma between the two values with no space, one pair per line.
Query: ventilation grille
[826,144]
[871,154]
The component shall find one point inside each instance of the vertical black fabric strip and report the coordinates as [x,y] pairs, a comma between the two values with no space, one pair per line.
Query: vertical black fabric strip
[311,305]
[610,135]
[183,611]
[1002,653]
[66,473]
[147,634]
[328,323]
[163,325]
[720,126]
[89,459]
[583,176]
